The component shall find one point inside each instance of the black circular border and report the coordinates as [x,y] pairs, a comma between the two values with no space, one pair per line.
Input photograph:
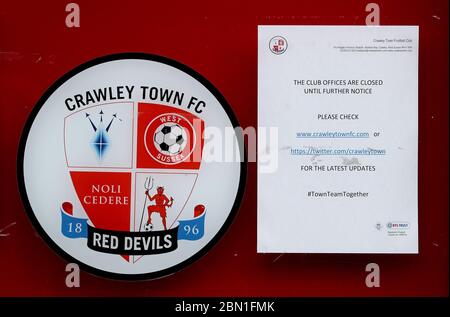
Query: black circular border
[61,81]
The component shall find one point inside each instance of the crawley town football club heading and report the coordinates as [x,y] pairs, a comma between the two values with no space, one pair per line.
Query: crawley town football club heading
[95,96]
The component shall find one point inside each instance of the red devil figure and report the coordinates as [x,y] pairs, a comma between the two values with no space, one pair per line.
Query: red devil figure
[161,203]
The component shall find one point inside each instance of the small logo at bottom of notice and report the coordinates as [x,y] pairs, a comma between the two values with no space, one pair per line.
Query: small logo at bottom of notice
[397,225]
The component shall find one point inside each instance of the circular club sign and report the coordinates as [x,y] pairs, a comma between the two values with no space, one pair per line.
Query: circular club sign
[112,168]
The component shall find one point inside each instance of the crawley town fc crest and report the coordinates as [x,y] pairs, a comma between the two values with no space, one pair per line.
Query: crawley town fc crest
[113,173]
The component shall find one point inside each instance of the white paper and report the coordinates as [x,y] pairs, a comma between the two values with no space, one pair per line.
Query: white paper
[345,185]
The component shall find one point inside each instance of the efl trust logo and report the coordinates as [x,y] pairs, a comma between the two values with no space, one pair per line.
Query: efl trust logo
[112,171]
[396,225]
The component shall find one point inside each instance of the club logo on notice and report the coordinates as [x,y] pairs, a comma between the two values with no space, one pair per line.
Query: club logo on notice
[278,45]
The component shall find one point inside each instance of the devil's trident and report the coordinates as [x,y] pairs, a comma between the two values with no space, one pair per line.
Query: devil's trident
[147,185]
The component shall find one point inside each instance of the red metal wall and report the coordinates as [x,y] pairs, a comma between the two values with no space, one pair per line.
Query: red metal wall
[220,42]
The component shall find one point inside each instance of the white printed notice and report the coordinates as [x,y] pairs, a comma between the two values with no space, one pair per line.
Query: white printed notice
[338,117]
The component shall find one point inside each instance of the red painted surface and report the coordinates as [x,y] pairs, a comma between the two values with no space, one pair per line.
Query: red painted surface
[219,42]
